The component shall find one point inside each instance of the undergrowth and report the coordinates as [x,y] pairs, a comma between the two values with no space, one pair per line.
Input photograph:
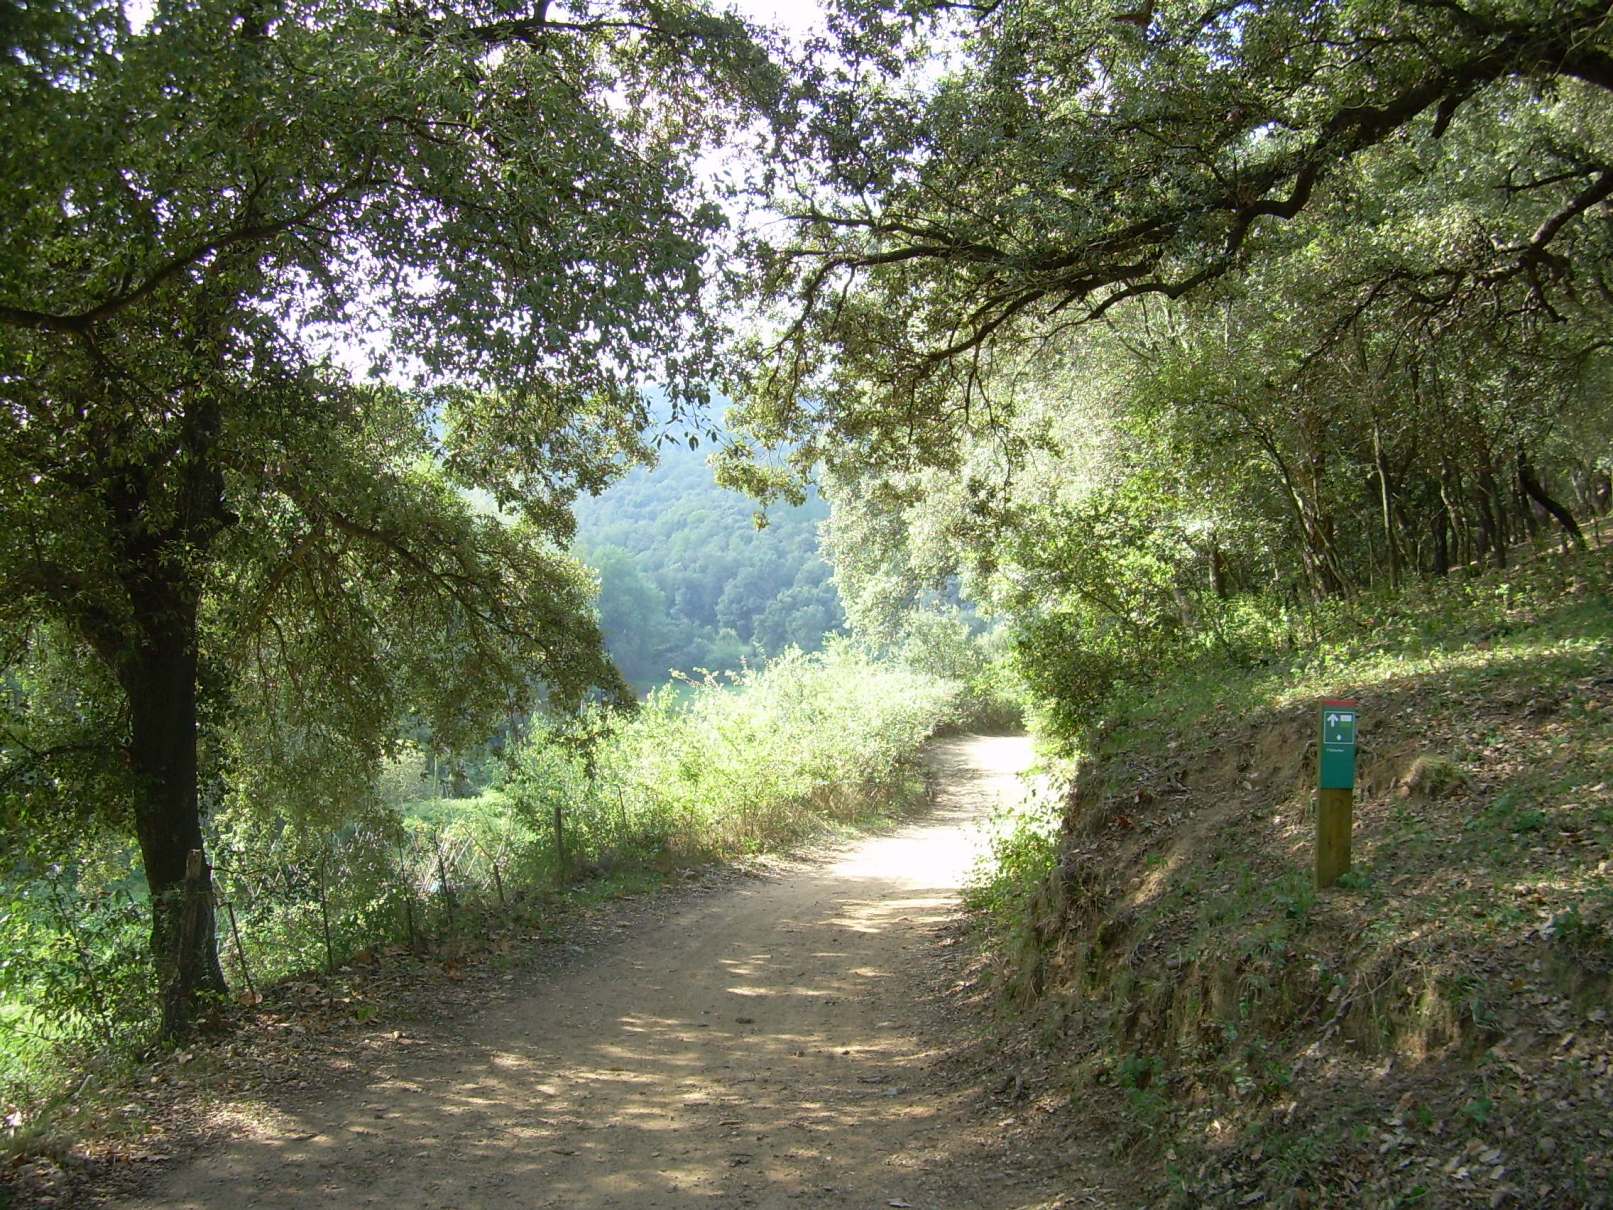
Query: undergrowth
[585,808]
[1261,1039]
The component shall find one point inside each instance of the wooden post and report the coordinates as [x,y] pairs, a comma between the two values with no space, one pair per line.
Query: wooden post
[559,844]
[408,920]
[1335,820]
[193,915]
[1335,794]
[498,881]
[442,881]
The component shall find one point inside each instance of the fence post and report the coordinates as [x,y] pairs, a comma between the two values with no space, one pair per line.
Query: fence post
[442,881]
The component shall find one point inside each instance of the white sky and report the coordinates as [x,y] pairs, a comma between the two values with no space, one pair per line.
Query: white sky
[796,17]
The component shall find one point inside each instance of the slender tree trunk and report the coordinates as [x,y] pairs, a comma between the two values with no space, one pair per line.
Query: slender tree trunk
[1380,463]
[1598,490]
[1319,524]
[1411,536]
[1492,517]
[1456,517]
[1373,562]
[160,679]
[1489,539]
[1535,491]
[1499,514]
[1218,573]
[1579,479]
[1334,582]
[1601,493]
[1442,548]
[1526,510]
[1312,557]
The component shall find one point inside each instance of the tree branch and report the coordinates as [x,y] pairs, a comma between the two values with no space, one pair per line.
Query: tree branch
[82,321]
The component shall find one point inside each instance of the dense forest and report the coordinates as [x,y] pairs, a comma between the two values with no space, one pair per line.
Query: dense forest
[1306,304]
[688,578]
[1121,369]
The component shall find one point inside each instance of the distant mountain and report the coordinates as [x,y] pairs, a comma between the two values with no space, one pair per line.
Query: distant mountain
[688,581]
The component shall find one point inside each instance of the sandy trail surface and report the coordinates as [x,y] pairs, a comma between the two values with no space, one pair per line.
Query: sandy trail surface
[785,1041]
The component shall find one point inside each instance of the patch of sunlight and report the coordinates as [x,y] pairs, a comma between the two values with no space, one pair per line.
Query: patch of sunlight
[639,1023]
[740,989]
[1154,882]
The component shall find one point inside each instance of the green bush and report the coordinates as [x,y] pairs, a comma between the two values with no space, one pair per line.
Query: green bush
[1021,849]
[709,768]
[75,980]
[760,758]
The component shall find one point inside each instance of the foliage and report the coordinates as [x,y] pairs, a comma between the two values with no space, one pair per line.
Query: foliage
[1021,851]
[255,569]
[972,180]
[545,775]
[763,756]
[1171,916]
[1193,324]
[733,765]
[75,984]
[1153,500]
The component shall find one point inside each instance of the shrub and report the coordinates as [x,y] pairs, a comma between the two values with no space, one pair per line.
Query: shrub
[713,767]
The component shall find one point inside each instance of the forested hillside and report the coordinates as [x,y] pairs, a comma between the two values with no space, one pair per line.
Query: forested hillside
[689,580]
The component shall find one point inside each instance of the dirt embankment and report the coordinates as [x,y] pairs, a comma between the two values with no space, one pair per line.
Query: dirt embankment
[1432,1031]
[799,1038]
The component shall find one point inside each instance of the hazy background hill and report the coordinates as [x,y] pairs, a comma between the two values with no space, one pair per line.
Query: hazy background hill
[688,581]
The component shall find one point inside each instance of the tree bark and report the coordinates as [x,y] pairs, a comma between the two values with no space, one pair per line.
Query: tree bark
[1526,510]
[1380,464]
[1492,520]
[1455,517]
[1442,548]
[1601,492]
[1534,489]
[1498,513]
[1218,573]
[1489,539]
[160,679]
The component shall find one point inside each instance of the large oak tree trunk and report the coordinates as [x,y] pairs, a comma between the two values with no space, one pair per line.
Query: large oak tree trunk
[161,682]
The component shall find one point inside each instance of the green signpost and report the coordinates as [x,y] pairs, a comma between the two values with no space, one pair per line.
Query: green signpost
[1335,797]
[1338,746]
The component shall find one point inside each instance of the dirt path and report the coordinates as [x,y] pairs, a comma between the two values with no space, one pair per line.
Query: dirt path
[784,1042]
